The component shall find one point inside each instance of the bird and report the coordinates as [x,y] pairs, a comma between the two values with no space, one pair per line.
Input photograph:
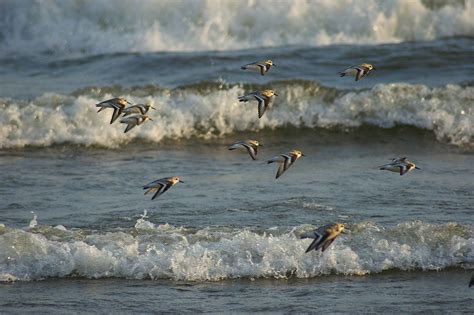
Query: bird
[137,109]
[324,236]
[161,185]
[250,145]
[133,121]
[399,165]
[358,71]
[263,66]
[262,97]
[285,160]
[117,104]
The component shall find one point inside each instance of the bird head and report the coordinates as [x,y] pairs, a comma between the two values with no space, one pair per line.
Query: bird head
[270,62]
[269,93]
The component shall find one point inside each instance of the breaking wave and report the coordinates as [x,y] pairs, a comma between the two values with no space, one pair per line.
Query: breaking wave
[101,27]
[211,110]
[150,251]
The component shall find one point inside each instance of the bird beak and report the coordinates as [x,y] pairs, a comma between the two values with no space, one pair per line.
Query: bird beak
[417,168]
[275,94]
[302,154]
[373,68]
[181,181]
[260,145]
[128,102]
[152,107]
[346,231]
[150,118]
[274,65]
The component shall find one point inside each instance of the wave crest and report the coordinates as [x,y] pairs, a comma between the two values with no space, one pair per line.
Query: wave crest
[177,253]
[214,111]
[64,27]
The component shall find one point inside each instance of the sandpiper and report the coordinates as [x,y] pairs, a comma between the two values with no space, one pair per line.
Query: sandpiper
[263,66]
[117,104]
[324,236]
[359,71]
[285,160]
[137,109]
[133,121]
[262,97]
[161,185]
[250,145]
[399,165]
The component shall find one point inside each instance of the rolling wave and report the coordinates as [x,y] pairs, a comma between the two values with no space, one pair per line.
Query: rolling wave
[102,27]
[150,251]
[210,110]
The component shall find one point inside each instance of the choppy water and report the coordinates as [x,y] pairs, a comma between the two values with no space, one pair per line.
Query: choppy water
[229,236]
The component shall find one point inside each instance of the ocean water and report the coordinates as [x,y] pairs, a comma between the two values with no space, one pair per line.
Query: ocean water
[78,235]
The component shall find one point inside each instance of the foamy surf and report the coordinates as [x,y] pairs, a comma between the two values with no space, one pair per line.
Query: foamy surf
[214,111]
[150,251]
[102,27]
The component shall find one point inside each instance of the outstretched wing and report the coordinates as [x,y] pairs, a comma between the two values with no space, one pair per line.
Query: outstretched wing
[326,244]
[251,150]
[117,112]
[262,105]
[360,73]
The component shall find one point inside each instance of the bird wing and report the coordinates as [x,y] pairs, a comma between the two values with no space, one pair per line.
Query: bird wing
[263,69]
[288,161]
[117,111]
[281,170]
[360,73]
[326,244]
[262,105]
[252,151]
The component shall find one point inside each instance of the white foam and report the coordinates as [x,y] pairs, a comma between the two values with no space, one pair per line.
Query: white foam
[65,27]
[167,252]
[183,113]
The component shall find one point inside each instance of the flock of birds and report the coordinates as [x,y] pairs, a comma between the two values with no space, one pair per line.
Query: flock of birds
[135,115]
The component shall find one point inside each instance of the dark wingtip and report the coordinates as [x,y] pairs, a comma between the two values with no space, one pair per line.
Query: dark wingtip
[342,74]
[243,68]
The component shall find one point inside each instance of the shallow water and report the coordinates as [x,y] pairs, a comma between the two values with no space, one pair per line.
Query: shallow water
[228,238]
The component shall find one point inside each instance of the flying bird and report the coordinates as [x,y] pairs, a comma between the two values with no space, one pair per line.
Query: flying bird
[161,185]
[117,104]
[285,160]
[262,97]
[263,66]
[250,145]
[324,236]
[359,71]
[399,165]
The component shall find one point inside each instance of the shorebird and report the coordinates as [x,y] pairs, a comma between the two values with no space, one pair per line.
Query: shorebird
[161,185]
[359,71]
[324,236]
[263,66]
[262,97]
[117,104]
[133,121]
[399,165]
[137,109]
[250,145]
[285,160]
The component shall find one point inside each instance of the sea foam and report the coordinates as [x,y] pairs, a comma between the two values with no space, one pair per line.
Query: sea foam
[215,112]
[217,253]
[101,27]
